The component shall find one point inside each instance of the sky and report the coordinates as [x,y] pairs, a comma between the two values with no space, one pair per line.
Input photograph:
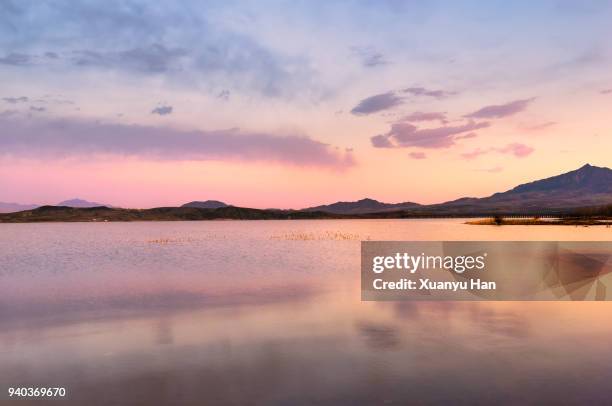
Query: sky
[291,104]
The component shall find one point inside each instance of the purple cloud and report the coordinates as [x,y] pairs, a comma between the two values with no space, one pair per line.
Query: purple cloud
[61,138]
[385,101]
[16,59]
[162,110]
[501,110]
[418,116]
[376,103]
[15,100]
[606,91]
[404,135]
[421,91]
[381,141]
[417,155]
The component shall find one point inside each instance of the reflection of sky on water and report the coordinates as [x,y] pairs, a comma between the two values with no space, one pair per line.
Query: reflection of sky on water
[321,349]
[285,337]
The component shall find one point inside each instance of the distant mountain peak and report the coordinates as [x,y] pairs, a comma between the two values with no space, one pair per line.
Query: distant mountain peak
[588,168]
[14,207]
[206,204]
[366,205]
[80,203]
[588,178]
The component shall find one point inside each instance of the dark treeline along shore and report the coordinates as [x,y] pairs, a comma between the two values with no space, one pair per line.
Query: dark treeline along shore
[103,213]
[582,196]
[582,216]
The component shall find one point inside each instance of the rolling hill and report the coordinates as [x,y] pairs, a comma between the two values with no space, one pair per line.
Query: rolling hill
[362,206]
[207,204]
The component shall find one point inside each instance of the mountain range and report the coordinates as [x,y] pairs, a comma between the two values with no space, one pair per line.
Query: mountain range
[588,186]
[584,187]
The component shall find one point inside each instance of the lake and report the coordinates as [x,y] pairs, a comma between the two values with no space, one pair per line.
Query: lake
[269,312]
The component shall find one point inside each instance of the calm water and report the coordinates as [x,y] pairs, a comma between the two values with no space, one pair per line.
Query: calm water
[268,312]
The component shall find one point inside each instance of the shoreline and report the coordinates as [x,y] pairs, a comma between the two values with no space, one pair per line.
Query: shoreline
[585,222]
[103,214]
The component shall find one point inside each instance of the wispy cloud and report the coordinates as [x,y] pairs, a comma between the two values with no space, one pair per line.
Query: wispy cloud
[7,113]
[391,99]
[369,57]
[495,169]
[501,110]
[517,149]
[16,59]
[224,95]
[606,91]
[466,136]
[404,135]
[538,126]
[578,62]
[421,91]
[182,43]
[376,103]
[155,58]
[60,138]
[55,99]
[475,153]
[417,155]
[162,110]
[15,100]
[418,116]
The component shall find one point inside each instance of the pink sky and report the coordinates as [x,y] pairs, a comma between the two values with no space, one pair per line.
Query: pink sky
[266,107]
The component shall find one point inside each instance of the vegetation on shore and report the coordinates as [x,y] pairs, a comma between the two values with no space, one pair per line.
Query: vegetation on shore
[535,221]
[587,216]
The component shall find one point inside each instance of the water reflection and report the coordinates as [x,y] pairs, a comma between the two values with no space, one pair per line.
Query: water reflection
[321,349]
[291,330]
[503,322]
[379,336]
